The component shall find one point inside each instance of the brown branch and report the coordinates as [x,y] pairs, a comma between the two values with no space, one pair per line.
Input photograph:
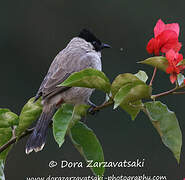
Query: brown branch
[172,91]
[29,131]
[5,146]
[153,76]
[108,103]
[181,92]
[163,93]
[13,139]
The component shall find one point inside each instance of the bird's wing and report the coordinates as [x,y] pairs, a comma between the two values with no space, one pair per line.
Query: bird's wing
[50,82]
[60,70]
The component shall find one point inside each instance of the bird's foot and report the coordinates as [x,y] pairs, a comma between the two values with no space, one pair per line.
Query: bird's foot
[92,110]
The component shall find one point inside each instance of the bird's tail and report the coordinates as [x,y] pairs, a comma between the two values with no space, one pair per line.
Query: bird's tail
[37,139]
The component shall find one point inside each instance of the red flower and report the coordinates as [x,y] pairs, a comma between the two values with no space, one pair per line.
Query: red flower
[173,59]
[165,38]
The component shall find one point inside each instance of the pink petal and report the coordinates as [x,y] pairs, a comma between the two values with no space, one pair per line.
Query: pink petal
[174,27]
[179,58]
[167,35]
[153,46]
[173,77]
[168,40]
[150,46]
[169,70]
[177,46]
[181,68]
[177,70]
[170,55]
[170,45]
[159,28]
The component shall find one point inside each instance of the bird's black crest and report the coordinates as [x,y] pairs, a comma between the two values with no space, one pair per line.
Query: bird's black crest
[90,37]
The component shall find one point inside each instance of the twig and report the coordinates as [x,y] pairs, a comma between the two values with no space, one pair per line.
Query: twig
[182,92]
[29,131]
[108,103]
[13,139]
[163,93]
[153,76]
[5,146]
[172,91]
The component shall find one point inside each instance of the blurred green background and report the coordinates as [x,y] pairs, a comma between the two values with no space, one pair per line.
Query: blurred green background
[33,32]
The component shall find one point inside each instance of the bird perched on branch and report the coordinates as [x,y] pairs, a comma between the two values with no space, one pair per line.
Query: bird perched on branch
[81,52]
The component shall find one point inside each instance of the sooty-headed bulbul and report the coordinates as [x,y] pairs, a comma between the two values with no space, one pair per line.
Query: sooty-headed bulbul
[83,51]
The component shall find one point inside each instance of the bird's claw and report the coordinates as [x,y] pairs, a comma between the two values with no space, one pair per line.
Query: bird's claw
[92,110]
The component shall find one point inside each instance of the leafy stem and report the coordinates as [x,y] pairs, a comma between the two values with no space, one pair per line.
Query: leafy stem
[29,131]
[171,91]
[107,103]
[14,138]
[153,76]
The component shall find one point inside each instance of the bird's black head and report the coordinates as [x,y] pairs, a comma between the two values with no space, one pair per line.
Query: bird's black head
[90,37]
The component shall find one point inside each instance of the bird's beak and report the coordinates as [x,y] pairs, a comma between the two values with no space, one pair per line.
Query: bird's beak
[105,46]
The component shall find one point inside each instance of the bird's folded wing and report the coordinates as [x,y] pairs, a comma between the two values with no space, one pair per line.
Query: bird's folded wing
[49,85]
[57,75]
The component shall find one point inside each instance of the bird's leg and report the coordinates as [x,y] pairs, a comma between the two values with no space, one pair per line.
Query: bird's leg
[91,109]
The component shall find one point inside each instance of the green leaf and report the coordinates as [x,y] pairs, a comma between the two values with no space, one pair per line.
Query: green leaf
[89,78]
[142,76]
[65,118]
[122,80]
[5,136]
[167,125]
[128,90]
[160,62]
[88,145]
[180,79]
[2,176]
[138,92]
[121,94]
[30,113]
[61,121]
[79,112]
[181,62]
[132,109]
[8,118]
[131,93]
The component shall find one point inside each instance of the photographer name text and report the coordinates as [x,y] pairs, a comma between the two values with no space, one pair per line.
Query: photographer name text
[92,164]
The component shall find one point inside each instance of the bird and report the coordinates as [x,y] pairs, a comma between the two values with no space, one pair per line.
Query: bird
[83,51]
